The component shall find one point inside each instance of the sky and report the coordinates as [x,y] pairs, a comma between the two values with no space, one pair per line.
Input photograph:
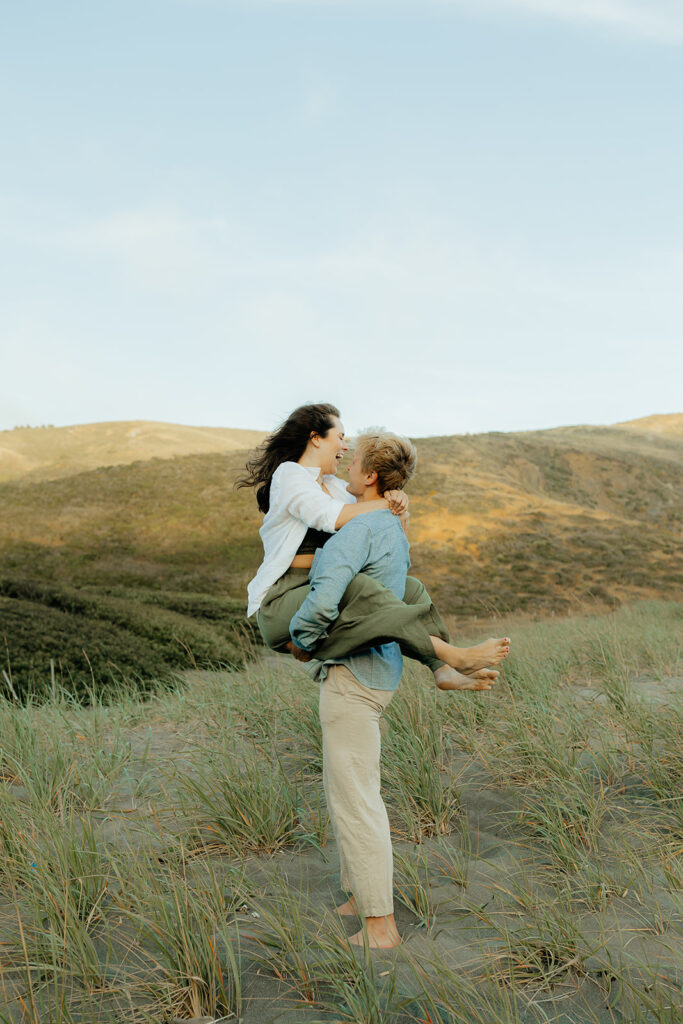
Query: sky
[443,216]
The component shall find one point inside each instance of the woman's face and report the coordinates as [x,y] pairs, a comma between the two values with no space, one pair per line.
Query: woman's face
[332,447]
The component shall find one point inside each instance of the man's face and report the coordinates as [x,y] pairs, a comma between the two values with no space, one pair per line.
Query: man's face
[358,478]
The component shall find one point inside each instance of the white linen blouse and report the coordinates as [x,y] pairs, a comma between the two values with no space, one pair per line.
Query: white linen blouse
[297,502]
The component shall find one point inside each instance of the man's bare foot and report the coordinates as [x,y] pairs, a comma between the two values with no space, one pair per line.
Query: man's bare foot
[348,909]
[382,933]
[447,678]
[470,659]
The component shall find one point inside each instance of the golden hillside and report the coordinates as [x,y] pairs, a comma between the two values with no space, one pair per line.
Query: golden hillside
[46,453]
[549,519]
[535,520]
[667,424]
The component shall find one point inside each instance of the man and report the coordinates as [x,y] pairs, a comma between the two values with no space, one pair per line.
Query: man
[356,689]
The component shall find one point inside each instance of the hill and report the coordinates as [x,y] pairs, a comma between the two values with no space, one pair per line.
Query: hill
[47,453]
[153,557]
[547,520]
[667,424]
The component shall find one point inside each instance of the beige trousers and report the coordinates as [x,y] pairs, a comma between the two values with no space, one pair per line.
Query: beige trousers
[349,714]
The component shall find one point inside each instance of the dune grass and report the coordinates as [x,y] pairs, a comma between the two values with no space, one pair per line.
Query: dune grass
[168,855]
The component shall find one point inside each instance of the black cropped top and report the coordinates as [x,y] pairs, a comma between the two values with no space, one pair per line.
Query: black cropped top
[313,540]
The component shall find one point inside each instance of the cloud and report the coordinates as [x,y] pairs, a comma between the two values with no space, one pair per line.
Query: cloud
[464,333]
[159,247]
[658,20]
[382,281]
[318,104]
[419,265]
[12,414]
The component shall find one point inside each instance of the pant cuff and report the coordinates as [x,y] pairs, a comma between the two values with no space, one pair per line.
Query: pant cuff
[377,910]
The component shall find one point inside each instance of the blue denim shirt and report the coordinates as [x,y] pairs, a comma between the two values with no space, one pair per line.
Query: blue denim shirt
[375,544]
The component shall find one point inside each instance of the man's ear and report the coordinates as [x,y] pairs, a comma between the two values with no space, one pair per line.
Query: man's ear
[371,478]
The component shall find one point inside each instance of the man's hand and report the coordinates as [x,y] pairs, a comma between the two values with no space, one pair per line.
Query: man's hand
[298,653]
[398,501]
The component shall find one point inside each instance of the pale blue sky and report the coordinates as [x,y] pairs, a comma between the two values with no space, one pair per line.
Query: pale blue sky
[448,216]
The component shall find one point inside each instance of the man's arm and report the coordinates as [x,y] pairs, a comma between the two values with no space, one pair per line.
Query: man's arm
[343,556]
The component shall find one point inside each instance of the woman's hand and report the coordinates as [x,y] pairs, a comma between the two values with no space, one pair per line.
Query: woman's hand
[398,501]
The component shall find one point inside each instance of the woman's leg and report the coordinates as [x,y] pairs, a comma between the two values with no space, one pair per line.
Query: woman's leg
[370,615]
[416,595]
[280,604]
[349,715]
[367,611]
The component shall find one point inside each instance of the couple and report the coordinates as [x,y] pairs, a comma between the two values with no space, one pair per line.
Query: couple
[333,586]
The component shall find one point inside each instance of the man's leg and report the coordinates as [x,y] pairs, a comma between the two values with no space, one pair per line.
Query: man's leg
[349,715]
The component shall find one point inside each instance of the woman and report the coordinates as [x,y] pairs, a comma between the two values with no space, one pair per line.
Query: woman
[294,472]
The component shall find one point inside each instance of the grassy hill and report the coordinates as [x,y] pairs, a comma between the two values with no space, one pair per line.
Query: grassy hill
[667,424]
[547,520]
[122,568]
[50,452]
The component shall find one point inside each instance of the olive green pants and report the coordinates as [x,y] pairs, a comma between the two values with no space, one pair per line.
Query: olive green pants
[369,615]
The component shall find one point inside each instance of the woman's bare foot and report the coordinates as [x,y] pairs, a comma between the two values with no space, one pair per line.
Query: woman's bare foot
[348,909]
[447,678]
[471,659]
[381,931]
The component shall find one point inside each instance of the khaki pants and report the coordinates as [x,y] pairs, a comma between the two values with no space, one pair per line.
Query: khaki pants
[349,714]
[369,615]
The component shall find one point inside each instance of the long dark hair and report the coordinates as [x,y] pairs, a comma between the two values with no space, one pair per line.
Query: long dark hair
[286,444]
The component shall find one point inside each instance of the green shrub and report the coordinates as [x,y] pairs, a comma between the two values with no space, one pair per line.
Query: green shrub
[95,640]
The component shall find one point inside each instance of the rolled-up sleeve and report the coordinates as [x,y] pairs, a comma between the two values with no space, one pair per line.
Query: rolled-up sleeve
[294,489]
[336,564]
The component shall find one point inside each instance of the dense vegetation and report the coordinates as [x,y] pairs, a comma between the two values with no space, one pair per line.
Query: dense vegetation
[87,640]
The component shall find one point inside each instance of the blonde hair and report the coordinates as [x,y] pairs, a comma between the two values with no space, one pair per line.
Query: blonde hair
[392,458]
